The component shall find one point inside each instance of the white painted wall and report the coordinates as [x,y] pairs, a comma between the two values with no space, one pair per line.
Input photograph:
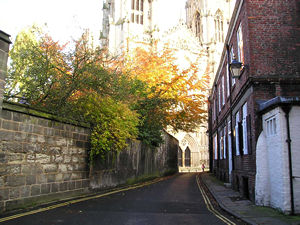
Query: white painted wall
[295,136]
[272,186]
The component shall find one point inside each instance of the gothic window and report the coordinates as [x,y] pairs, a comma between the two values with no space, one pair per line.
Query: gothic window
[219,36]
[137,11]
[187,156]
[198,26]
[179,157]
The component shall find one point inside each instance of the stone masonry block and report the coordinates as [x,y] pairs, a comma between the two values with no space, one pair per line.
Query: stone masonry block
[63,186]
[59,177]
[43,122]
[54,187]
[78,184]
[67,159]
[50,178]
[61,142]
[65,150]
[6,135]
[66,176]
[38,129]
[20,136]
[72,185]
[7,115]
[10,125]
[81,151]
[2,181]
[41,178]
[30,158]
[3,157]
[14,193]
[45,188]
[48,131]
[11,146]
[85,183]
[26,128]
[35,189]
[17,117]
[32,147]
[55,150]
[75,159]
[42,158]
[24,191]
[58,158]
[41,139]
[62,168]
[70,167]
[73,151]
[15,181]
[49,168]
[16,158]
[4,194]
[13,169]
[30,179]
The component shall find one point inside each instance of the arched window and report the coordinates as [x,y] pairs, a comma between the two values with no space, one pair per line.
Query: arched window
[137,11]
[198,26]
[187,156]
[219,36]
[179,157]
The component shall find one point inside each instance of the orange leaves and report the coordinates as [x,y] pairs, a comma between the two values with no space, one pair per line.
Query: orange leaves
[185,88]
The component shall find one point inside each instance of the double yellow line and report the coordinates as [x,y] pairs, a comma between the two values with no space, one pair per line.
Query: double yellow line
[210,206]
[80,200]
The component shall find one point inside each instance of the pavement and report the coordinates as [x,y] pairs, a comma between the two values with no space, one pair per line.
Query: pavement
[231,201]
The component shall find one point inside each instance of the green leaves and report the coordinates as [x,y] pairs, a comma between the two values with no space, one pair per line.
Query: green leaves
[113,124]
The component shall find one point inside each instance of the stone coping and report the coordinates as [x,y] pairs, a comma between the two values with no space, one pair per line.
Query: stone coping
[26,109]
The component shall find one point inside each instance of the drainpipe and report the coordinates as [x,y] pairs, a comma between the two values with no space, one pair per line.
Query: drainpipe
[287,109]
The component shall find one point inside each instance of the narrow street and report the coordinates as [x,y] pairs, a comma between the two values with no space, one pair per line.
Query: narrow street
[177,200]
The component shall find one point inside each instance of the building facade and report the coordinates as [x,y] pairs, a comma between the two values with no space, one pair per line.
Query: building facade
[262,35]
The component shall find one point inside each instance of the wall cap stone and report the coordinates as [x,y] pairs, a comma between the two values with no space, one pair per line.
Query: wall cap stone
[5,37]
[278,101]
[26,109]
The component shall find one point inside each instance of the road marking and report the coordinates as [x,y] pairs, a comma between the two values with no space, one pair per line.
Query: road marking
[210,206]
[80,200]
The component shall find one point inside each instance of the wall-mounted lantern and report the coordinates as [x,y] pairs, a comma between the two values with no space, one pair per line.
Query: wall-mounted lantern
[236,68]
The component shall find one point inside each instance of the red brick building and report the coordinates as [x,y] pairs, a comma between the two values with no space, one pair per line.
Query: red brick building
[264,36]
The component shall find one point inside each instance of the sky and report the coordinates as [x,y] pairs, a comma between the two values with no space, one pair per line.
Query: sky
[64,18]
[67,19]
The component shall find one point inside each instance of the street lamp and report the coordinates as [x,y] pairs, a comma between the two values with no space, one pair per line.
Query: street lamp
[235,68]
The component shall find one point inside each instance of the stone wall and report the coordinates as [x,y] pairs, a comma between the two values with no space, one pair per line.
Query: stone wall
[39,157]
[42,159]
[137,160]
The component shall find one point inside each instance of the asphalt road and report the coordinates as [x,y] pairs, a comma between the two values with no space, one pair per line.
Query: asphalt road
[177,200]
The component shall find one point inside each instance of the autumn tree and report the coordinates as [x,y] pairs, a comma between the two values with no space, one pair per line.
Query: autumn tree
[179,95]
[73,81]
